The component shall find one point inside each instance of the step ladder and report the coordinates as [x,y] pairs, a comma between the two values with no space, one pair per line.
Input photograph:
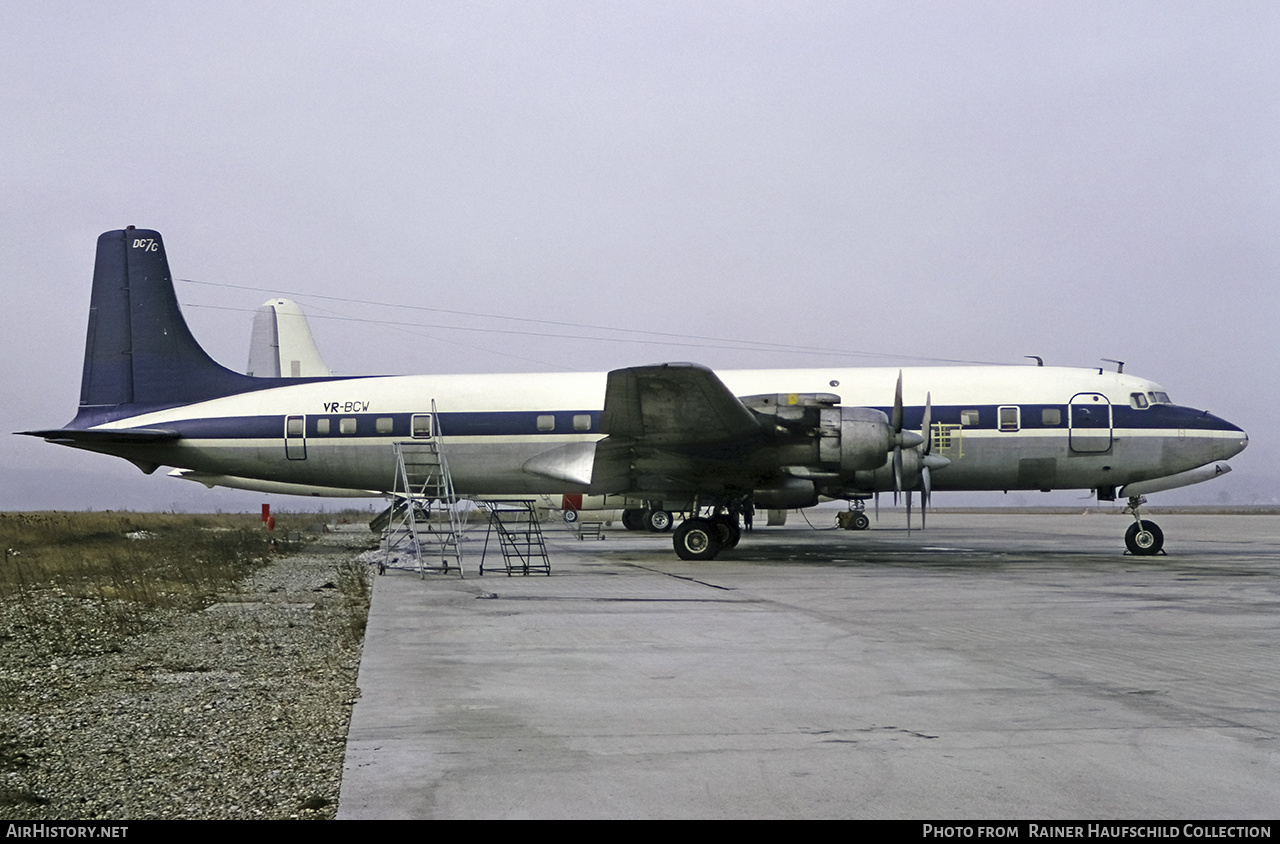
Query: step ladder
[515,526]
[422,531]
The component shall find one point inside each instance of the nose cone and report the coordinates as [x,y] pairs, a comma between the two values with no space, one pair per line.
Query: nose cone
[1195,437]
[1237,444]
[1230,439]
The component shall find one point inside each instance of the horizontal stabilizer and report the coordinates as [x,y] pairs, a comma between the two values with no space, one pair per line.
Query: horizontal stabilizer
[96,436]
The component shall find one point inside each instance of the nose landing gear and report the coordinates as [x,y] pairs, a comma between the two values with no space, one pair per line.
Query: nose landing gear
[1143,538]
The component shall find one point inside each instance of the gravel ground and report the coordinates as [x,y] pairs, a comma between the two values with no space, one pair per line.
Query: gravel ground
[238,710]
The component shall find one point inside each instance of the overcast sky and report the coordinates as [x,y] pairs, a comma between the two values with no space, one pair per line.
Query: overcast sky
[927,181]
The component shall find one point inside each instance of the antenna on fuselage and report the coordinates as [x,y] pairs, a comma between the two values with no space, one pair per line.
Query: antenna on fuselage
[1039,360]
[1119,363]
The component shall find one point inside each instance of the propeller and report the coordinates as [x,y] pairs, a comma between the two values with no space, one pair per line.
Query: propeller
[928,460]
[926,482]
[900,439]
[910,439]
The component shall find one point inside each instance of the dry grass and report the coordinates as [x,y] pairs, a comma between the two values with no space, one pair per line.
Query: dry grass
[87,580]
[120,697]
[154,559]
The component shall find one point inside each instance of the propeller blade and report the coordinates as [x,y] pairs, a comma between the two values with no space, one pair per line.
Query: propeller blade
[897,473]
[926,487]
[926,428]
[908,512]
[896,420]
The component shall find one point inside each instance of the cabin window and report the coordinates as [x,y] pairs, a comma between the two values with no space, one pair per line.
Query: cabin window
[347,426]
[422,425]
[1051,416]
[969,417]
[1009,419]
[294,427]
[322,426]
[582,422]
[384,425]
[546,422]
[1137,401]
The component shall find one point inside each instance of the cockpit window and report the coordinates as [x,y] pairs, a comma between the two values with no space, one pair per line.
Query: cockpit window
[1159,397]
[1138,401]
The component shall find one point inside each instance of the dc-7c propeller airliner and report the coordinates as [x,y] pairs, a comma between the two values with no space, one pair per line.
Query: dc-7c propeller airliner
[670,438]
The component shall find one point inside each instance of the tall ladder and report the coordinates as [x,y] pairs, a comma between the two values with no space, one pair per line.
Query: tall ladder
[515,523]
[424,524]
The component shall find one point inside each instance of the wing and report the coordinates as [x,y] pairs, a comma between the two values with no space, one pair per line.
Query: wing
[672,428]
[673,404]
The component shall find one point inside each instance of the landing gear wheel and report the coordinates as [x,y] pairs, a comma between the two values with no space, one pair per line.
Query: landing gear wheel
[1144,539]
[570,516]
[730,533]
[853,520]
[697,539]
[658,521]
[633,519]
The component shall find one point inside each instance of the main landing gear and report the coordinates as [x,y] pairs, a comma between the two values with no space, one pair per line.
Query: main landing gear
[703,539]
[657,521]
[696,538]
[1143,538]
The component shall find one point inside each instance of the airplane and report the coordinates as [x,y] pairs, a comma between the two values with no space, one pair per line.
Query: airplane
[673,438]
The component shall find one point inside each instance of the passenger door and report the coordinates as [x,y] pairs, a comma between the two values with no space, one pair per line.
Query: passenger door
[1089,419]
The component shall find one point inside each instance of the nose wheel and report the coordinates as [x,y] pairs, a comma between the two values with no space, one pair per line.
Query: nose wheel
[1143,538]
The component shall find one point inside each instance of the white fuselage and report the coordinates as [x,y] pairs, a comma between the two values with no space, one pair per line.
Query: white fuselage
[1022,427]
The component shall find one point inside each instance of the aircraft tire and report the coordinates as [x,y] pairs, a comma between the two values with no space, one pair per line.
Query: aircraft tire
[570,516]
[1144,539]
[730,532]
[697,539]
[860,521]
[658,521]
[633,519]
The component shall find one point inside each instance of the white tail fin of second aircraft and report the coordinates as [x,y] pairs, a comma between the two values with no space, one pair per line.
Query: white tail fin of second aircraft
[282,345]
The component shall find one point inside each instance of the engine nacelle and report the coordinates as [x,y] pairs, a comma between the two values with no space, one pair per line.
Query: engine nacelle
[848,439]
[882,476]
[788,495]
[865,439]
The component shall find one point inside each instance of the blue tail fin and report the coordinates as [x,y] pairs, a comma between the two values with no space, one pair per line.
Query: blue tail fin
[139,353]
